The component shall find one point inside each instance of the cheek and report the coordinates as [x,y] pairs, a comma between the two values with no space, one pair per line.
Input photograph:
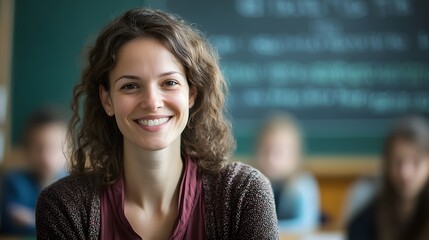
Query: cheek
[396,179]
[394,173]
[123,105]
[180,103]
[422,173]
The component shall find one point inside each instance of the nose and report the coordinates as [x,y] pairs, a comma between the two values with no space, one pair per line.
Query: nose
[151,99]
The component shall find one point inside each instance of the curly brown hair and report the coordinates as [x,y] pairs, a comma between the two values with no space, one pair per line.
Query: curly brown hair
[97,145]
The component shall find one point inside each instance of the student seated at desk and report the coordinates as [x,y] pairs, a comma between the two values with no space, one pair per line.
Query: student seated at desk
[296,193]
[43,141]
[400,211]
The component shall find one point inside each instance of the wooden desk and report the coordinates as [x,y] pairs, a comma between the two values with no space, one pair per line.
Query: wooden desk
[313,236]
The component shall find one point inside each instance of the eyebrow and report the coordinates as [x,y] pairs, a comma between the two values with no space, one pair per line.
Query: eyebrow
[138,78]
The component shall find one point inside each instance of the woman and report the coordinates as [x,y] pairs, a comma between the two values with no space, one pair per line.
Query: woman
[401,210]
[150,151]
[296,193]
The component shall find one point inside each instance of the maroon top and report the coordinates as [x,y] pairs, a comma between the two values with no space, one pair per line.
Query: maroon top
[189,223]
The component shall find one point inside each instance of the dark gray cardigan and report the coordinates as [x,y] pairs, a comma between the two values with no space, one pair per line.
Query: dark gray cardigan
[238,204]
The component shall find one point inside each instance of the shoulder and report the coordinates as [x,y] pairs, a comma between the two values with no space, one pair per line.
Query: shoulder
[239,202]
[236,175]
[306,177]
[237,181]
[69,193]
[305,181]
[71,189]
[18,182]
[69,209]
[362,225]
[17,176]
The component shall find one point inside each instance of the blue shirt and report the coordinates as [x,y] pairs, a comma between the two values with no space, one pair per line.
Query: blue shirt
[19,188]
[298,204]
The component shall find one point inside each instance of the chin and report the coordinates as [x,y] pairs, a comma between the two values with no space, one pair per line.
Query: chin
[154,146]
[409,195]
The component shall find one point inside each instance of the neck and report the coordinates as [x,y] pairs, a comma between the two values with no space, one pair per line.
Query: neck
[152,178]
[406,208]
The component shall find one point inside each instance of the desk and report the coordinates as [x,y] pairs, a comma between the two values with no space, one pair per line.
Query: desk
[313,236]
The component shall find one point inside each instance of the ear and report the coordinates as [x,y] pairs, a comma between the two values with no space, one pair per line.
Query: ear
[106,100]
[192,96]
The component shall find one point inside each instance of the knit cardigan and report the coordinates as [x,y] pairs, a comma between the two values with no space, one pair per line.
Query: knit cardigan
[238,203]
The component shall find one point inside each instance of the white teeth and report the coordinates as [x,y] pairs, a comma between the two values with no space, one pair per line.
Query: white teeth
[154,122]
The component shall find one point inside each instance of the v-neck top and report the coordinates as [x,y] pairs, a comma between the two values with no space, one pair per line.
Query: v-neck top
[189,223]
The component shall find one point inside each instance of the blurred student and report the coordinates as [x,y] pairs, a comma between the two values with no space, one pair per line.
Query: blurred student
[400,211]
[43,142]
[279,155]
[359,195]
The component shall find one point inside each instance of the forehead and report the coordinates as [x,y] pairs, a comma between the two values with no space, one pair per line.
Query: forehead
[407,146]
[145,56]
[49,127]
[282,139]
[46,132]
[286,132]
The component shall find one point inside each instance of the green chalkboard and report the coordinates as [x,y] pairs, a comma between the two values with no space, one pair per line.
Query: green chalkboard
[49,48]
[345,68]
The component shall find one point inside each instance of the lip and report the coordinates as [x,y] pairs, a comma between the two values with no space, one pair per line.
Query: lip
[152,117]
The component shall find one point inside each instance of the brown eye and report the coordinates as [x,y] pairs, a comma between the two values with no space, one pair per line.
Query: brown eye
[129,86]
[170,83]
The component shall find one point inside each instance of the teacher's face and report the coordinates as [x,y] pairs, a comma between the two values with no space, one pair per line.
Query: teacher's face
[149,95]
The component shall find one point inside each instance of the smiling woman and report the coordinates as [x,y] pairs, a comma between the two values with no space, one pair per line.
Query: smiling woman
[150,156]
[149,95]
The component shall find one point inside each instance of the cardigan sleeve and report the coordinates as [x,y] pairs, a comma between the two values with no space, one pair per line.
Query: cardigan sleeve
[63,212]
[258,219]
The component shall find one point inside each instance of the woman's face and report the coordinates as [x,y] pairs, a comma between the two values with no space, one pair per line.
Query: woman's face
[149,95]
[409,168]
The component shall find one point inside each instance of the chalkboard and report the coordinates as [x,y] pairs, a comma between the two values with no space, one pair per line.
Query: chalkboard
[345,68]
[49,46]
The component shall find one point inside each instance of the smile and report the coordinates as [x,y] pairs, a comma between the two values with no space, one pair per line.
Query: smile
[153,122]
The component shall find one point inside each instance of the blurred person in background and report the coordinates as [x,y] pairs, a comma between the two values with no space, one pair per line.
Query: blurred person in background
[296,193]
[400,211]
[43,143]
[359,195]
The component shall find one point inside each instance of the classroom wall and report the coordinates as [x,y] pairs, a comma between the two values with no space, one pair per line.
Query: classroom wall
[6,30]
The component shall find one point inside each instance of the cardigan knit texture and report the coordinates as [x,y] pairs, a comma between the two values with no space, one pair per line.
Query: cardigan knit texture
[238,204]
